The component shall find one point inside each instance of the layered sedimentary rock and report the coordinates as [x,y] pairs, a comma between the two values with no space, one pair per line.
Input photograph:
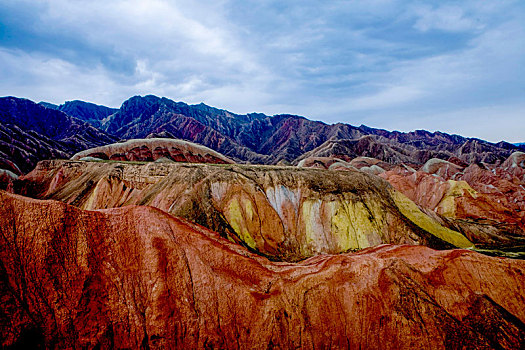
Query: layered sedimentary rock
[366,164]
[136,277]
[255,138]
[282,212]
[154,149]
[329,163]
[258,138]
[486,204]
[441,168]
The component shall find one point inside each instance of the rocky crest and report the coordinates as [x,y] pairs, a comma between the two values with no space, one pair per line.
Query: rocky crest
[258,138]
[252,138]
[85,111]
[284,213]
[155,150]
[136,277]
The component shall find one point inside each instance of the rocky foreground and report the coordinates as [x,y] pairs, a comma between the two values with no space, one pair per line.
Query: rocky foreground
[137,277]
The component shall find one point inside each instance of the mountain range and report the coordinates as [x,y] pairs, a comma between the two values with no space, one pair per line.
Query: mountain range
[153,234]
[58,131]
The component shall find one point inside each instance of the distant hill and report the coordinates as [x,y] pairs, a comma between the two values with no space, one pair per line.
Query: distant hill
[259,138]
[30,132]
[88,112]
[251,138]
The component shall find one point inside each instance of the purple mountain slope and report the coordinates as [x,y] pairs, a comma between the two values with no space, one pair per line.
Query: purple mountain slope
[259,138]
[30,132]
[59,131]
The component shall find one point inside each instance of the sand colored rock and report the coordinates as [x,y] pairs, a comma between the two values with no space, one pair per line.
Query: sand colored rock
[366,164]
[136,277]
[488,206]
[515,160]
[153,149]
[324,163]
[284,213]
[515,165]
[441,168]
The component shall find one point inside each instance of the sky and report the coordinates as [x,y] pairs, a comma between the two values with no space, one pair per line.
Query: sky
[452,66]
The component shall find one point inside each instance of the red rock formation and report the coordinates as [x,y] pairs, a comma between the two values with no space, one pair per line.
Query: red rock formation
[282,212]
[487,205]
[441,168]
[136,277]
[154,149]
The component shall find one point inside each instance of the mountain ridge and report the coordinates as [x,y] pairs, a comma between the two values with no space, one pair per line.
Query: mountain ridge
[261,139]
[30,132]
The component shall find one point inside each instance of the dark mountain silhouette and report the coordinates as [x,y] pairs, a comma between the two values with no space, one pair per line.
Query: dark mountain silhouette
[85,111]
[251,138]
[30,132]
[259,138]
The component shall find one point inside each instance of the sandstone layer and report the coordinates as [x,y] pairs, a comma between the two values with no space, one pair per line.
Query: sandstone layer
[154,149]
[485,203]
[136,277]
[285,213]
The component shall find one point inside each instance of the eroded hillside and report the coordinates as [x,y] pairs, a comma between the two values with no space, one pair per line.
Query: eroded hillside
[136,277]
[281,212]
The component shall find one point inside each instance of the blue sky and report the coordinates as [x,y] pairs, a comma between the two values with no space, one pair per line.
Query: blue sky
[454,66]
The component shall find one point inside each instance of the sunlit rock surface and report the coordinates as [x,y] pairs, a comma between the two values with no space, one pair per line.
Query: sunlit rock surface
[136,277]
[282,212]
[154,149]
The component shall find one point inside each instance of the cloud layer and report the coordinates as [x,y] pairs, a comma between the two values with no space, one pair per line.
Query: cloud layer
[449,66]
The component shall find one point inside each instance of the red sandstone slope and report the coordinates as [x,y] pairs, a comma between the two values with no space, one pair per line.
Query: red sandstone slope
[285,213]
[154,149]
[486,204]
[137,277]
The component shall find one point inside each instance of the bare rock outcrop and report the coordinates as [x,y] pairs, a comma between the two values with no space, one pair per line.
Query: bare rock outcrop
[487,205]
[285,213]
[136,277]
[153,149]
[440,167]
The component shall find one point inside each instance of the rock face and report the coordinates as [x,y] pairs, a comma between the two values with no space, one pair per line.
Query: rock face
[487,205]
[365,164]
[136,277]
[284,213]
[155,149]
[6,179]
[328,163]
[412,149]
[30,132]
[441,168]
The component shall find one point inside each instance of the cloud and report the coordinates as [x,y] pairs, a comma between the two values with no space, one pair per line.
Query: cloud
[383,62]
[447,18]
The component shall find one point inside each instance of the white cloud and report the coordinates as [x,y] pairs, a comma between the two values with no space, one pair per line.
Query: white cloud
[330,61]
[445,17]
